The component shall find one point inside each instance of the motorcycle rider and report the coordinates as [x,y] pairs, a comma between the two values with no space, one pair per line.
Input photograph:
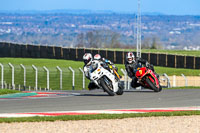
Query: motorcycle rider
[87,58]
[131,66]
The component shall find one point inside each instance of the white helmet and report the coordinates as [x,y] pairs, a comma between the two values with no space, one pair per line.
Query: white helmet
[130,58]
[87,58]
[97,57]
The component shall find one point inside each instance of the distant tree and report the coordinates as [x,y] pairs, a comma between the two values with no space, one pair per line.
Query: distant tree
[114,40]
[80,40]
[154,44]
[146,43]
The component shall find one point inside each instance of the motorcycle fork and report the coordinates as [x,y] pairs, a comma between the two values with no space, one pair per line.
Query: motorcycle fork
[116,74]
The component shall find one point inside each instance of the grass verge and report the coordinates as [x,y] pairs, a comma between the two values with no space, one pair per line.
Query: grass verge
[98,117]
[163,51]
[6,91]
[52,63]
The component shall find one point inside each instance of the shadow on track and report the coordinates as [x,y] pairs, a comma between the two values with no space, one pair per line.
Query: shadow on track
[141,91]
[102,95]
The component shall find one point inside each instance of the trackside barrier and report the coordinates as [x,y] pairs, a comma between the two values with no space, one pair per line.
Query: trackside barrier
[47,76]
[174,80]
[168,80]
[24,74]
[36,77]
[37,51]
[125,78]
[186,81]
[13,75]
[73,78]
[128,80]
[2,73]
[83,78]
[60,70]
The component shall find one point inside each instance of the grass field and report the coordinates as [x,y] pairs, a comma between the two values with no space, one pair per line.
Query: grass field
[67,74]
[174,52]
[6,91]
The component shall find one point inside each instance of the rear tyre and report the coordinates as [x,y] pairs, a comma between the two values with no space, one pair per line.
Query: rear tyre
[106,88]
[152,86]
[121,90]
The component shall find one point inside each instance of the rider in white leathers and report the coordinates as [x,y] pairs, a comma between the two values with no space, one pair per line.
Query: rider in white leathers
[87,58]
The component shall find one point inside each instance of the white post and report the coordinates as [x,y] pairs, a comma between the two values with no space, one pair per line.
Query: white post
[73,78]
[13,75]
[174,80]
[36,77]
[125,78]
[24,74]
[47,76]
[83,78]
[2,73]
[128,83]
[168,80]
[186,81]
[60,76]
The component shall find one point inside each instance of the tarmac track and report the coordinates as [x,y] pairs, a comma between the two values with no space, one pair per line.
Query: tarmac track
[98,100]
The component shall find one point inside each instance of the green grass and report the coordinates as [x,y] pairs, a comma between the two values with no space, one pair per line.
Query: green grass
[42,62]
[177,71]
[51,65]
[67,74]
[174,52]
[98,117]
[6,91]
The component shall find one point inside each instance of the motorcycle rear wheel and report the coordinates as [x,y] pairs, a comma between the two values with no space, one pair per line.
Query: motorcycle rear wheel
[106,88]
[121,90]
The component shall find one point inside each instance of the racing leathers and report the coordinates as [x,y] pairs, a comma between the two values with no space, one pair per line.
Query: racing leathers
[86,69]
[131,69]
[91,85]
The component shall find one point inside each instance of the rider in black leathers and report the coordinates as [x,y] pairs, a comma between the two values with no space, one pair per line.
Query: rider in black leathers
[131,66]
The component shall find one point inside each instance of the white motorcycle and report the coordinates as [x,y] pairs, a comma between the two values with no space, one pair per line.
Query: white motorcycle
[104,79]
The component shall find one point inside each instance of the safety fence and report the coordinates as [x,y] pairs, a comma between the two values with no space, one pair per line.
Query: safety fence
[118,57]
[24,77]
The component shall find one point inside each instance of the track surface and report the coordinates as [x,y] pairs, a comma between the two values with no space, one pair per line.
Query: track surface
[98,100]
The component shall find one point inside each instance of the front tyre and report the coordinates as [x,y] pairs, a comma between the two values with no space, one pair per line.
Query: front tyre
[160,89]
[105,87]
[152,86]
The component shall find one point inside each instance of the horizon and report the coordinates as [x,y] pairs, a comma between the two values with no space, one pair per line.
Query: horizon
[87,11]
[169,7]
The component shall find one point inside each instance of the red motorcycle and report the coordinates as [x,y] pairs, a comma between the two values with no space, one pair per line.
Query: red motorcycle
[148,79]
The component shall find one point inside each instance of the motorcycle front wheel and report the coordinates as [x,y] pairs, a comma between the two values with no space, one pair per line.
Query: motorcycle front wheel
[105,86]
[152,86]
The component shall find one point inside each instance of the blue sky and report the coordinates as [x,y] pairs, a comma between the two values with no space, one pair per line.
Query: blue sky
[175,7]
